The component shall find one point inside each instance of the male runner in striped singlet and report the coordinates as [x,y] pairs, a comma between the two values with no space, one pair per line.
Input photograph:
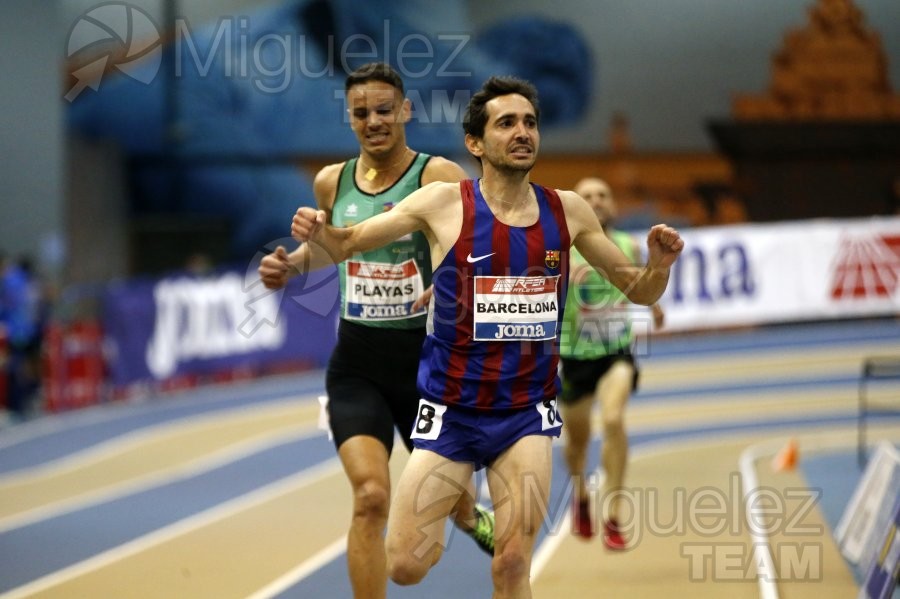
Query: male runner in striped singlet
[595,348]
[487,375]
[371,376]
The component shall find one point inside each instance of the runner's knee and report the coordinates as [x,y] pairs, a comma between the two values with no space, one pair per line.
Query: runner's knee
[404,569]
[613,420]
[509,566]
[371,499]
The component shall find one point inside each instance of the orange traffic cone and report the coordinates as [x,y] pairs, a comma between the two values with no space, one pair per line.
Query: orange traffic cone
[787,456]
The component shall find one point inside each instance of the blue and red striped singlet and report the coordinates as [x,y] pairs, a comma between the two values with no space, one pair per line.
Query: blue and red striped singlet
[497,309]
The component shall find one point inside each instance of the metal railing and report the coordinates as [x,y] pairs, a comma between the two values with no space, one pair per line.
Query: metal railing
[881,368]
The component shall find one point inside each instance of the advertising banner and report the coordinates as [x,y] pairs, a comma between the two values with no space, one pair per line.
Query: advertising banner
[727,276]
[187,325]
[778,272]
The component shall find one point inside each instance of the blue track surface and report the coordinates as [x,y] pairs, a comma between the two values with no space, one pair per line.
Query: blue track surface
[45,546]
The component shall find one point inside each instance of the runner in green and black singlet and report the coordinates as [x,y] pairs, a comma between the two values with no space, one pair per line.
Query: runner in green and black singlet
[597,365]
[371,376]
[595,323]
[379,287]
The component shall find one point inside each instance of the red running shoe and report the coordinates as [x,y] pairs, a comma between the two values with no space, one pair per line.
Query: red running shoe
[581,518]
[612,536]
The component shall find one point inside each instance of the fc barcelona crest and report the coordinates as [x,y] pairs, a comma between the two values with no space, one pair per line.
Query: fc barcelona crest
[551,258]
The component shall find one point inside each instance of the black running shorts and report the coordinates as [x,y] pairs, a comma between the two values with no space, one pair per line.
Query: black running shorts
[579,377]
[371,382]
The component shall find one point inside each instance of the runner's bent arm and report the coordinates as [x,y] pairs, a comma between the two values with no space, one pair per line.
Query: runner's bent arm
[308,256]
[276,268]
[659,316]
[640,284]
[438,169]
[428,209]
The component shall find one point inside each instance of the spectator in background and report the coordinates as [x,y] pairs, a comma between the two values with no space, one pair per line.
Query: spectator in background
[20,319]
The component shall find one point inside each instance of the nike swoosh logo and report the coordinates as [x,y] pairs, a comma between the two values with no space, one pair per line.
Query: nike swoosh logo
[472,260]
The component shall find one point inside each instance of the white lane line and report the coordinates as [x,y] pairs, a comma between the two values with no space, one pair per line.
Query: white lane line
[208,397]
[766,572]
[179,472]
[765,564]
[222,511]
[203,397]
[823,439]
[311,565]
[551,542]
[130,441]
[560,531]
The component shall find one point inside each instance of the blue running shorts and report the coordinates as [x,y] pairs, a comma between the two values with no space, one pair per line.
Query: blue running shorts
[463,435]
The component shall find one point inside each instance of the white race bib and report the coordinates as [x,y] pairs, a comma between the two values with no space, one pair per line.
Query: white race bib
[549,414]
[377,291]
[429,421]
[515,308]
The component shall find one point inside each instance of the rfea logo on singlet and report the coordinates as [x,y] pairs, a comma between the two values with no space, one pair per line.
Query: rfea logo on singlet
[379,291]
[515,308]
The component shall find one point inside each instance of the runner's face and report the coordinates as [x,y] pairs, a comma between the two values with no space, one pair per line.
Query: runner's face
[511,137]
[378,115]
[600,197]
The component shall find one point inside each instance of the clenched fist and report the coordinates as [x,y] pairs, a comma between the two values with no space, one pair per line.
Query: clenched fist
[275,269]
[306,223]
[664,245]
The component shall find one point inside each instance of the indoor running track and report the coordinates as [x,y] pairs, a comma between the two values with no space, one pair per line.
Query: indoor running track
[232,491]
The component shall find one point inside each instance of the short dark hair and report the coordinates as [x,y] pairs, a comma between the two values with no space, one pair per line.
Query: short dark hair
[476,116]
[374,71]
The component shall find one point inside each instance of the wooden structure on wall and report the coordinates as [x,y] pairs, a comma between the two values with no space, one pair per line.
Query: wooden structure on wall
[824,141]
[834,69]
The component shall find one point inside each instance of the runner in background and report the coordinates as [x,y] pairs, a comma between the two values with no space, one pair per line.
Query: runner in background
[598,366]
